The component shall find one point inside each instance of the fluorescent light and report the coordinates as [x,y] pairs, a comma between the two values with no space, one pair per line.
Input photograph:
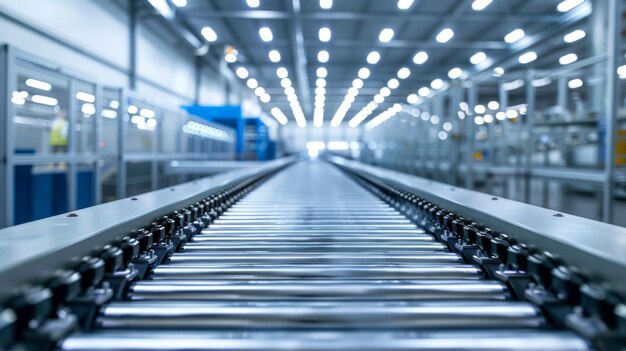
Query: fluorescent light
[279,115]
[266,34]
[114,104]
[621,72]
[85,97]
[147,113]
[493,105]
[480,109]
[420,58]
[455,73]
[44,100]
[326,4]
[285,83]
[108,114]
[282,73]
[527,57]
[357,83]
[162,7]
[325,34]
[413,99]
[478,58]
[323,56]
[488,118]
[274,56]
[385,91]
[322,72]
[364,73]
[180,3]
[320,83]
[379,99]
[38,84]
[574,36]
[445,35]
[437,84]
[512,85]
[542,82]
[259,91]
[572,84]
[265,98]
[386,35]
[405,4]
[242,72]
[338,145]
[132,109]
[88,109]
[479,120]
[290,91]
[479,5]
[447,126]
[252,83]
[373,57]
[253,3]
[514,36]
[404,73]
[567,5]
[512,114]
[501,116]
[498,72]
[209,34]
[231,57]
[567,59]
[393,83]
[424,92]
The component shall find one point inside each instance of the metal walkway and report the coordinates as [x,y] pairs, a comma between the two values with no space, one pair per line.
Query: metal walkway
[310,260]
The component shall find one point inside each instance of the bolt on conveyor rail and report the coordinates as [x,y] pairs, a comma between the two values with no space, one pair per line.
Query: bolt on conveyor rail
[307,255]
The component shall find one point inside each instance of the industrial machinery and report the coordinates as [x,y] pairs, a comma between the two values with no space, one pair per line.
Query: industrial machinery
[325,254]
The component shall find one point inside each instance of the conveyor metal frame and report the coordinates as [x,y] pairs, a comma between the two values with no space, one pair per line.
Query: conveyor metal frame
[597,249]
[32,252]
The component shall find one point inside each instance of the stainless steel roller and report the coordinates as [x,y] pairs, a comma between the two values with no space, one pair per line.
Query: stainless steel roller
[312,261]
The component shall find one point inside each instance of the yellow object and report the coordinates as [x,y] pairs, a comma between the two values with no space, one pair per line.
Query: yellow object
[620,148]
[58,132]
[478,156]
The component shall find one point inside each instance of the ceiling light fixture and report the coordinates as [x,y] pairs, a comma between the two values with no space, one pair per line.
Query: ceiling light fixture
[478,58]
[373,57]
[455,73]
[266,34]
[527,57]
[514,36]
[567,5]
[445,35]
[386,35]
[420,58]
[326,4]
[404,73]
[274,56]
[405,4]
[323,56]
[209,34]
[282,73]
[242,73]
[479,5]
[325,34]
[568,59]
[322,72]
[574,36]
[364,73]
[253,3]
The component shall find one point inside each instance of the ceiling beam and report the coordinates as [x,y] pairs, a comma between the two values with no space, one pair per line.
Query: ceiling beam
[299,54]
[199,13]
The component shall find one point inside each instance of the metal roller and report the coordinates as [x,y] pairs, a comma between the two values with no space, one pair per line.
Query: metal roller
[258,272]
[319,315]
[203,259]
[502,340]
[318,290]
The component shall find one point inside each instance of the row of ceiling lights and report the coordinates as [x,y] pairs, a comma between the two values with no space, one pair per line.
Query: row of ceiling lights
[385,36]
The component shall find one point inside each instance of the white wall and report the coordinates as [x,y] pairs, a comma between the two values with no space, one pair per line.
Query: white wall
[101,28]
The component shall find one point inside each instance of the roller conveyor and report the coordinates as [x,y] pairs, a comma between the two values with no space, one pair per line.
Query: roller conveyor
[310,258]
[332,289]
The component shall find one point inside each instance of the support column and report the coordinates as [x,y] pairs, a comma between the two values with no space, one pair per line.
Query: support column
[613,39]
[529,127]
[132,44]
[471,135]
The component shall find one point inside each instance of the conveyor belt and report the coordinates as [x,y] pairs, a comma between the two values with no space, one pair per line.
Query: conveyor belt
[312,261]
